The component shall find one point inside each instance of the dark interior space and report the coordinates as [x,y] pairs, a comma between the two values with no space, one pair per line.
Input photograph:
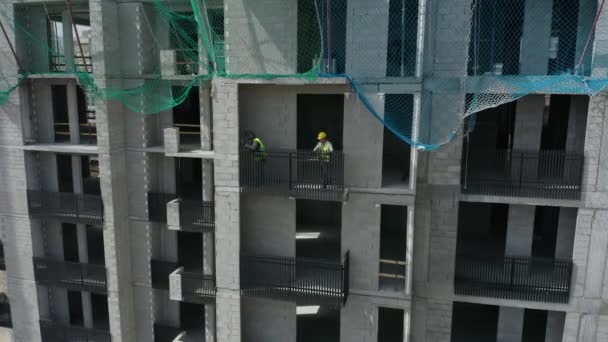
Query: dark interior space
[493,128]
[86,118]
[322,327]
[390,325]
[334,35]
[192,316]
[95,245]
[189,173]
[186,117]
[99,307]
[495,36]
[64,173]
[564,11]
[555,123]
[546,221]
[190,251]
[320,113]
[393,230]
[402,38]
[69,236]
[90,175]
[482,229]
[395,160]
[185,43]
[474,322]
[535,325]
[59,93]
[75,308]
[318,229]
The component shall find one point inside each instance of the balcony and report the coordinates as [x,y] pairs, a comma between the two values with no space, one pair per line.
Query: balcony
[551,174]
[305,281]
[65,206]
[295,173]
[192,287]
[191,215]
[53,332]
[518,278]
[71,275]
[160,273]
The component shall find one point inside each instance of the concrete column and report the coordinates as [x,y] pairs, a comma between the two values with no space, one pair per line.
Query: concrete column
[510,324]
[555,326]
[73,113]
[577,121]
[566,230]
[520,229]
[529,122]
[68,41]
[84,258]
[536,37]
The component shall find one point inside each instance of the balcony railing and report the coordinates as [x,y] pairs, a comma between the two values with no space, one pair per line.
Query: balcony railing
[157,206]
[301,174]
[65,206]
[58,63]
[71,275]
[546,174]
[196,216]
[520,278]
[53,332]
[198,287]
[304,281]
[160,273]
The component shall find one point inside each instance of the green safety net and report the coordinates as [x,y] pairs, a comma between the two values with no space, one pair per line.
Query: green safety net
[496,55]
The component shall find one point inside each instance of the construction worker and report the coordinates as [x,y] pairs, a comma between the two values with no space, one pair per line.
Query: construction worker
[256,146]
[325,147]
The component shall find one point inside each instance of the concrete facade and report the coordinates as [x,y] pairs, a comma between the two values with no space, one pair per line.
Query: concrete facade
[138,156]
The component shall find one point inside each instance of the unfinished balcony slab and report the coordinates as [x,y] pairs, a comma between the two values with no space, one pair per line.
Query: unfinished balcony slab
[192,286]
[63,148]
[71,275]
[190,215]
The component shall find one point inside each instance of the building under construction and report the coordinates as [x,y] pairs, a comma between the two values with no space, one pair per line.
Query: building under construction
[466,197]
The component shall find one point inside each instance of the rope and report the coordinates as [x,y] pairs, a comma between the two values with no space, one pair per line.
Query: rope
[593,28]
[11,46]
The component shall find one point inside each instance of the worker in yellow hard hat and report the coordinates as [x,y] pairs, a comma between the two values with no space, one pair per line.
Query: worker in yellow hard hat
[325,147]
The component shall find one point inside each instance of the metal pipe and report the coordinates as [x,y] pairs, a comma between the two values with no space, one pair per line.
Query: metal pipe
[84,60]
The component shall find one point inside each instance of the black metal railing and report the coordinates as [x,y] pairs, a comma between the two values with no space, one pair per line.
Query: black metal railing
[305,281]
[54,332]
[165,333]
[160,273]
[58,63]
[198,287]
[66,206]
[6,320]
[196,216]
[71,275]
[520,278]
[157,206]
[546,174]
[301,174]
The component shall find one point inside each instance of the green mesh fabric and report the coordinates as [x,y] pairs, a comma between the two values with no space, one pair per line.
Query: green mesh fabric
[495,44]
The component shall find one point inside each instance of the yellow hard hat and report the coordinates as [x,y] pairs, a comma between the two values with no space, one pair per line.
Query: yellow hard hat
[321,135]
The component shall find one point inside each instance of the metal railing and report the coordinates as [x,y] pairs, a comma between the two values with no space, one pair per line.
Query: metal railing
[71,275]
[520,278]
[58,63]
[186,61]
[305,281]
[157,206]
[165,333]
[66,206]
[296,173]
[196,216]
[87,132]
[198,287]
[545,174]
[53,332]
[160,273]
